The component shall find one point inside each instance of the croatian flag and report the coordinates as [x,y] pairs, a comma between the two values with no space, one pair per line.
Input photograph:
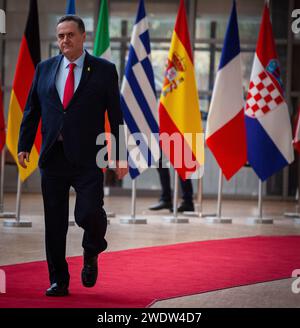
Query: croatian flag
[138,100]
[268,126]
[225,131]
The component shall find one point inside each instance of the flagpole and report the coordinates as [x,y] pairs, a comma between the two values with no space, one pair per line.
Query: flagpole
[260,219]
[200,198]
[174,218]
[132,218]
[199,213]
[220,189]
[17,222]
[133,200]
[109,214]
[175,195]
[18,202]
[260,204]
[297,219]
[2,180]
[219,218]
[102,48]
[260,213]
[293,215]
[2,213]
[296,215]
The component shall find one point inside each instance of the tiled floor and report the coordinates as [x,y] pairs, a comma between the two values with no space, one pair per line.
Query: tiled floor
[27,244]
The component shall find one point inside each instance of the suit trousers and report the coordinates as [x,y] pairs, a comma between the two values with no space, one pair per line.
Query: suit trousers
[57,176]
[186,187]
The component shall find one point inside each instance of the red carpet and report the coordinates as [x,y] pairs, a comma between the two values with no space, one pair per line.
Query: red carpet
[138,277]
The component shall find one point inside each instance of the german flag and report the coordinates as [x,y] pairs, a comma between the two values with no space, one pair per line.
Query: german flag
[179,111]
[29,57]
[2,121]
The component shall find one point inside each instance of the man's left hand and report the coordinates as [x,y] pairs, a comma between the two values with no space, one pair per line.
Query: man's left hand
[121,169]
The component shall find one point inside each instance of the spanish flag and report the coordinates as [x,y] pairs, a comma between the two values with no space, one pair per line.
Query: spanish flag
[181,136]
[29,57]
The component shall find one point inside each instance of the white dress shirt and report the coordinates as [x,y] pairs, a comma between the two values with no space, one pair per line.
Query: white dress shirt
[63,72]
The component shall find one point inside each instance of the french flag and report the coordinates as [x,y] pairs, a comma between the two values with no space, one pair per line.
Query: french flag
[268,126]
[225,130]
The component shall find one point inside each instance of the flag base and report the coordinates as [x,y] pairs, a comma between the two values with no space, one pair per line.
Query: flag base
[198,215]
[8,215]
[173,219]
[259,221]
[17,224]
[212,219]
[131,220]
[292,215]
[295,217]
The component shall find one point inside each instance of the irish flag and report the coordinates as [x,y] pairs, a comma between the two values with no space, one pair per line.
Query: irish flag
[180,128]
[102,49]
[101,42]
[28,58]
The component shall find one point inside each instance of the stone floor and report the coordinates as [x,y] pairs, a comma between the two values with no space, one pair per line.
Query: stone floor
[27,244]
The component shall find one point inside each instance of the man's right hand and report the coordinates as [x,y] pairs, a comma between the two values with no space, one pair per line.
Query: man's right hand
[21,158]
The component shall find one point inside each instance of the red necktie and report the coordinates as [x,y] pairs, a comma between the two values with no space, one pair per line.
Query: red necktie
[69,86]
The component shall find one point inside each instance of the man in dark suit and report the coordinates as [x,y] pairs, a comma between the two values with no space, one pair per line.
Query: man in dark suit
[70,94]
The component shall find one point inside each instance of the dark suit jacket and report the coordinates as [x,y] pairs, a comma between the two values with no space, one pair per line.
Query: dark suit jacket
[84,117]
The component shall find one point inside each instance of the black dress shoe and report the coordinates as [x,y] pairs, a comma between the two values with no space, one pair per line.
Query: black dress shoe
[161,205]
[89,271]
[57,290]
[186,207]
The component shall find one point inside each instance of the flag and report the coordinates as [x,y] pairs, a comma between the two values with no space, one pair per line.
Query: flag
[102,49]
[138,98]
[102,43]
[2,121]
[268,126]
[296,139]
[179,112]
[70,9]
[226,131]
[28,58]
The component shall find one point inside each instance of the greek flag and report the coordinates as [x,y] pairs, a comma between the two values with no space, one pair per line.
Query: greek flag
[138,100]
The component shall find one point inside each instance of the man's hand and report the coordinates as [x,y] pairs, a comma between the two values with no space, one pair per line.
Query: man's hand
[121,169]
[21,158]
